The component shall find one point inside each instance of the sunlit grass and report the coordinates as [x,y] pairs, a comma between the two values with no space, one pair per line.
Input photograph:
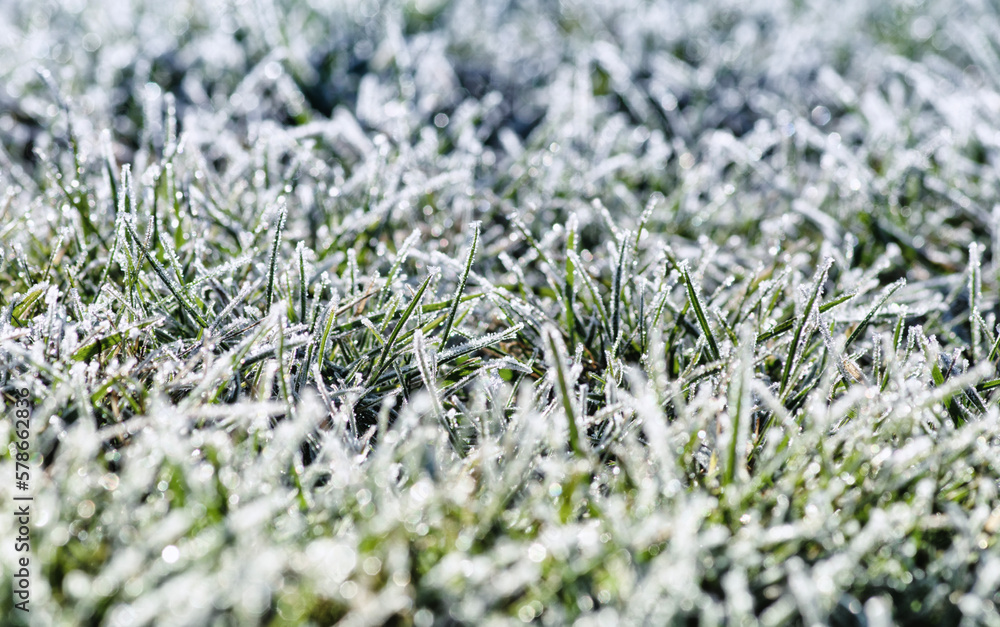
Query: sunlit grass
[434,313]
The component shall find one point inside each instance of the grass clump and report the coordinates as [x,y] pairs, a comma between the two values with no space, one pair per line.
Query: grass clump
[461,313]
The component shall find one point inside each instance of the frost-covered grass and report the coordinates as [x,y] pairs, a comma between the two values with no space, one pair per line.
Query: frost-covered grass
[486,312]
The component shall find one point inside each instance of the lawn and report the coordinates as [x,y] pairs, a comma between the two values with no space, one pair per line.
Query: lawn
[484,312]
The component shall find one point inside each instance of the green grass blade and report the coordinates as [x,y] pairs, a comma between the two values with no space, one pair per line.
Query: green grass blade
[616,294]
[555,353]
[858,330]
[300,249]
[569,295]
[383,358]
[162,273]
[269,294]
[740,408]
[594,294]
[457,298]
[426,364]
[789,323]
[814,293]
[699,312]
[975,297]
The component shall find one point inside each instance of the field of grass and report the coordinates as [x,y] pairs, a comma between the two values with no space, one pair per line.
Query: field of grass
[494,312]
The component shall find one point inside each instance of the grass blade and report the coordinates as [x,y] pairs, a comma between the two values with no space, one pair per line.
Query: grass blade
[570,288]
[555,353]
[975,297]
[594,294]
[457,298]
[382,362]
[740,409]
[162,273]
[302,281]
[814,292]
[699,311]
[269,294]
[616,296]
[786,325]
[858,330]
[426,363]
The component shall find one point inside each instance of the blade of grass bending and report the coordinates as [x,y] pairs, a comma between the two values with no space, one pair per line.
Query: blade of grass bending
[996,347]
[699,312]
[269,296]
[479,343]
[817,287]
[457,298]
[385,319]
[785,325]
[662,303]
[170,256]
[985,386]
[331,317]
[374,331]
[555,350]
[871,313]
[163,274]
[381,363]
[95,345]
[452,354]
[233,303]
[29,299]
